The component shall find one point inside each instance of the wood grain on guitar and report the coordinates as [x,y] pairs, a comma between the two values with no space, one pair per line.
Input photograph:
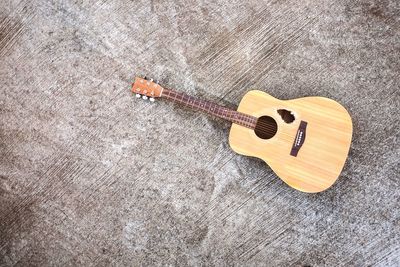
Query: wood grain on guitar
[305,141]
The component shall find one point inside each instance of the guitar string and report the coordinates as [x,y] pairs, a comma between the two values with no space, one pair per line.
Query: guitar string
[214,109]
[243,120]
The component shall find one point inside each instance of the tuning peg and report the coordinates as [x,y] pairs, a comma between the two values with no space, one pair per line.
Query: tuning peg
[144,97]
[152,99]
[138,95]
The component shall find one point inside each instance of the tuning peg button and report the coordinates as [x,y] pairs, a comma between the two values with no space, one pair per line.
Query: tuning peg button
[144,97]
[152,99]
[138,95]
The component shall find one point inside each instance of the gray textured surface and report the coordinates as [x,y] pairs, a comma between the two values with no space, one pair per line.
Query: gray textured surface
[91,176]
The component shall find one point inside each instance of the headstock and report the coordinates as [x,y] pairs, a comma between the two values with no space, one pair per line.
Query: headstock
[147,89]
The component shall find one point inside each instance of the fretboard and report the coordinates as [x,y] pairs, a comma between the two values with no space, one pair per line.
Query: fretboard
[211,108]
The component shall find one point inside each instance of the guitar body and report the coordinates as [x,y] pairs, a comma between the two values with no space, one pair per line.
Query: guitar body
[309,152]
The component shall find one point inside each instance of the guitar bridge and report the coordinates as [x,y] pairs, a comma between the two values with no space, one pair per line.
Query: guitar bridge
[299,140]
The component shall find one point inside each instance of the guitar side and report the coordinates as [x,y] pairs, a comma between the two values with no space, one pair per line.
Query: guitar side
[327,137]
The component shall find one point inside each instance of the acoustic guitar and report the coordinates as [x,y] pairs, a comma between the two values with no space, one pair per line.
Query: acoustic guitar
[305,141]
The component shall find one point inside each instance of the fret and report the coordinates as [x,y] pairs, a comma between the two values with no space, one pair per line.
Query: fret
[228,114]
[185,101]
[202,105]
[222,112]
[207,108]
[247,120]
[239,118]
[174,95]
[219,111]
[225,113]
[181,100]
[244,120]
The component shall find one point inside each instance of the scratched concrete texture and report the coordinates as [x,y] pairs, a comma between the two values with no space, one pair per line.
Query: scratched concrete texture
[92,176]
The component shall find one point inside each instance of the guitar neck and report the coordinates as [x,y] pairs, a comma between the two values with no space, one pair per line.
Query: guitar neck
[211,108]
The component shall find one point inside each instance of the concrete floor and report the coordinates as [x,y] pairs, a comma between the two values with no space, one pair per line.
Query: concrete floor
[89,175]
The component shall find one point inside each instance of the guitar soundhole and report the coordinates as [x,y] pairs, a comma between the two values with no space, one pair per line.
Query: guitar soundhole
[266,127]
